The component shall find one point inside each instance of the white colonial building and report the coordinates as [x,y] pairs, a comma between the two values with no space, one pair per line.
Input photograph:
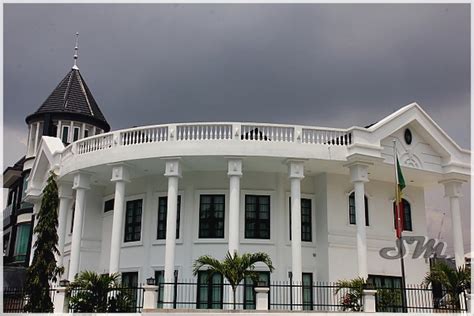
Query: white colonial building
[149,200]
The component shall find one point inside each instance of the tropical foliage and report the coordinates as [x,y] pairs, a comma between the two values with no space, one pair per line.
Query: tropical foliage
[43,268]
[99,293]
[234,268]
[453,280]
[351,299]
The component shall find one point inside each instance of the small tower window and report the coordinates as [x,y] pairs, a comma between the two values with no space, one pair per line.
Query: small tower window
[86,133]
[65,135]
[76,134]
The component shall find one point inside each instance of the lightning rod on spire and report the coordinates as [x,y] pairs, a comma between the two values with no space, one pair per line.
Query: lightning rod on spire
[76,50]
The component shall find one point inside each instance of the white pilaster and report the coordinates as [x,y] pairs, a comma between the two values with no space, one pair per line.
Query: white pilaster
[359,175]
[296,173]
[81,184]
[58,130]
[65,197]
[120,175]
[71,132]
[173,173]
[234,171]
[452,190]
[36,138]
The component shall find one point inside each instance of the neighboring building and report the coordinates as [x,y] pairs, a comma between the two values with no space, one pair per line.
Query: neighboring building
[149,200]
[69,113]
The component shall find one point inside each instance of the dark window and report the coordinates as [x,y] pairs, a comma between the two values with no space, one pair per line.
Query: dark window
[209,290]
[65,135]
[352,209]
[86,133]
[211,216]
[21,243]
[408,137]
[387,286]
[159,280]
[307,291]
[76,134]
[72,217]
[109,205]
[133,221]
[257,216]
[306,222]
[6,241]
[162,216]
[54,130]
[249,292]
[406,216]
[130,282]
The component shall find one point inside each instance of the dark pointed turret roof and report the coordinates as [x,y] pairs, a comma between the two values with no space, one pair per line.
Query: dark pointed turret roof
[72,96]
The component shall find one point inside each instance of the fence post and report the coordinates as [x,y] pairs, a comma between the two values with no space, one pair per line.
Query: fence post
[368,301]
[61,300]
[150,297]
[261,298]
[290,276]
[175,289]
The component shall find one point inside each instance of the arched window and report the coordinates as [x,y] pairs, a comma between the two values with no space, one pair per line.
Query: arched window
[352,209]
[406,216]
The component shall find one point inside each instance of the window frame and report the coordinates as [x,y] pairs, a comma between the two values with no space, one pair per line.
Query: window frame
[305,287]
[65,133]
[367,209]
[225,218]
[135,242]
[74,130]
[404,199]
[257,218]
[310,217]
[209,291]
[178,217]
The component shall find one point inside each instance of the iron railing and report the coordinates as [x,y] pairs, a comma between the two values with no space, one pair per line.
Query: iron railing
[116,299]
[15,299]
[417,299]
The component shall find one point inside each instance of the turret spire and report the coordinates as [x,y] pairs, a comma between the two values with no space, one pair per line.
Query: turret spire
[76,50]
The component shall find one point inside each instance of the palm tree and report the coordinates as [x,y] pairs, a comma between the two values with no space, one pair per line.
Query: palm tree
[454,281]
[352,299]
[234,267]
[94,293]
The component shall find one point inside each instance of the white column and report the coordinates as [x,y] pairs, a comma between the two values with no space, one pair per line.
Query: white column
[296,173]
[359,175]
[28,141]
[452,190]
[36,137]
[81,185]
[36,208]
[65,197]
[120,175]
[173,173]
[234,171]
[71,132]
[83,131]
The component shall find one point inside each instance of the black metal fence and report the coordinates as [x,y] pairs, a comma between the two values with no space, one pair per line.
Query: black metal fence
[417,299]
[117,300]
[285,295]
[15,299]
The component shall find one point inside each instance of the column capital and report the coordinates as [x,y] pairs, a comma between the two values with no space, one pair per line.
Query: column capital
[173,167]
[120,172]
[452,187]
[65,189]
[295,168]
[359,171]
[234,166]
[82,180]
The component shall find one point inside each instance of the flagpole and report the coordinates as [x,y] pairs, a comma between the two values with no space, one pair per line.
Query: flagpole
[398,220]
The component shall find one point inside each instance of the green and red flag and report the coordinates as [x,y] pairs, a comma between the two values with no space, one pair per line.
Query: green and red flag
[398,199]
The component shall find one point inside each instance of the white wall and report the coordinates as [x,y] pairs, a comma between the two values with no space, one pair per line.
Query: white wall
[330,226]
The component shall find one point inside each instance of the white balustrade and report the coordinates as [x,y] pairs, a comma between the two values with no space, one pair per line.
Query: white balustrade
[95,143]
[210,131]
[274,133]
[326,137]
[144,135]
[203,131]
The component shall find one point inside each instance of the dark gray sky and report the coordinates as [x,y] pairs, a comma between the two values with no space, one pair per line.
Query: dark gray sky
[329,65]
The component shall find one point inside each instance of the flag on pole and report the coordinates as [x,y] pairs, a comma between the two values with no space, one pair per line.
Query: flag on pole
[399,201]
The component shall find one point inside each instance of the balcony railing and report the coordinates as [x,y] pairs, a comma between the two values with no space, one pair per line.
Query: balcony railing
[194,132]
